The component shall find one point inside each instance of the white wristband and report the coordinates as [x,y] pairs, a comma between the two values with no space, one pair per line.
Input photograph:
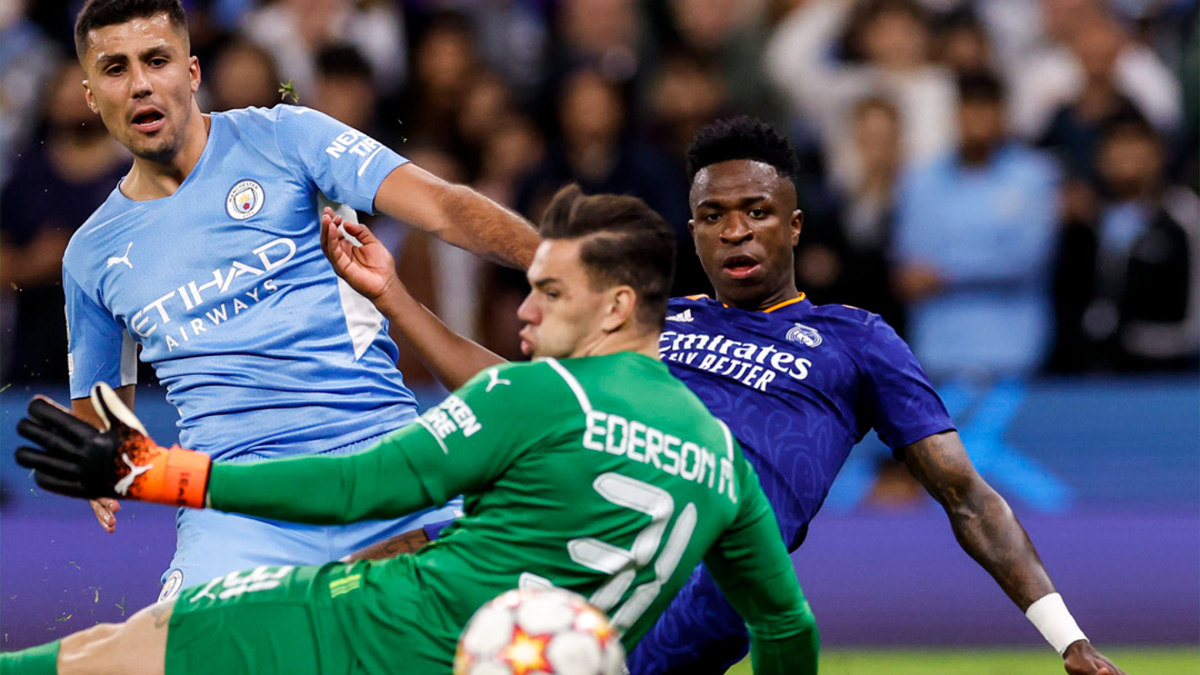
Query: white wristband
[1049,614]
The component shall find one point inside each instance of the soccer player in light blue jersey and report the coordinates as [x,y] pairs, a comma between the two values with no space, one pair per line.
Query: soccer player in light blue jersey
[798,384]
[206,256]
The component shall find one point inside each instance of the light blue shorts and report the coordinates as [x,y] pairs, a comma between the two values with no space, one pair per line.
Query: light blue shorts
[210,543]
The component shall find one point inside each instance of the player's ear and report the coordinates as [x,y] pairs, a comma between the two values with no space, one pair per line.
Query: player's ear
[194,73]
[87,96]
[797,223]
[622,303]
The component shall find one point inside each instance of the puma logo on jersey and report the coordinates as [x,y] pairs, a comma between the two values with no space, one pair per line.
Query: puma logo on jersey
[494,379]
[135,470]
[124,259]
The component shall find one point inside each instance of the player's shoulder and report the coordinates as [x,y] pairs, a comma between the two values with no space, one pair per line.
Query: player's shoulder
[256,118]
[517,378]
[108,220]
[852,326]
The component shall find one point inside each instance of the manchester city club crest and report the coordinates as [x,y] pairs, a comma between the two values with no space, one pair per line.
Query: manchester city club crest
[804,335]
[244,200]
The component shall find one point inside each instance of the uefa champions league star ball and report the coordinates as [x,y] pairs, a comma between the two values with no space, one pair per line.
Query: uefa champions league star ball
[539,631]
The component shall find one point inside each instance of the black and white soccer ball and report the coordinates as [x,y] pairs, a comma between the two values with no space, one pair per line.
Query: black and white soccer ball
[539,631]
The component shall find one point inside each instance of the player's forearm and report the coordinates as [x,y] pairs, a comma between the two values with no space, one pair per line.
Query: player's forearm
[792,651]
[984,525]
[485,227]
[452,358]
[373,484]
[988,530]
[458,215]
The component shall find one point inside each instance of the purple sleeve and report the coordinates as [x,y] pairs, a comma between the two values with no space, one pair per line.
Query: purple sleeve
[899,401]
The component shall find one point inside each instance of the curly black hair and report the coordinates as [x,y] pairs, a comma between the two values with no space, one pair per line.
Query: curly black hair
[742,137]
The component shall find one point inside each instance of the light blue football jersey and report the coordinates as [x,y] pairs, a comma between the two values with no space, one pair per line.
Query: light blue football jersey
[263,350]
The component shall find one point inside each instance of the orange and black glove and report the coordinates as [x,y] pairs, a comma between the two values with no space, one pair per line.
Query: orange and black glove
[79,460]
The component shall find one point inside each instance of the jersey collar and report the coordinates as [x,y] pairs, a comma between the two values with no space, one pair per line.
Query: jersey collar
[768,310]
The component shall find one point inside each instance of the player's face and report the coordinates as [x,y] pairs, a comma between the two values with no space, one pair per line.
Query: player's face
[745,225]
[562,313]
[141,80]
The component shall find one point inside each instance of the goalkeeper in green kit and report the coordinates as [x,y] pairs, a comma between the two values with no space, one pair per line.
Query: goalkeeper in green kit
[590,468]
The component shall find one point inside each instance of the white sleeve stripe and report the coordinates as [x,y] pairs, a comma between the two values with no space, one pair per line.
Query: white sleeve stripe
[435,436]
[576,388]
[370,158]
[129,350]
[728,437]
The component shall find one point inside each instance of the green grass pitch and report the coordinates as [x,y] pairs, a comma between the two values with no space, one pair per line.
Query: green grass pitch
[1133,660]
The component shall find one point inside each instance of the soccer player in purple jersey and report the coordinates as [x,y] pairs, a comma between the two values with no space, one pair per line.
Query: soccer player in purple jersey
[799,385]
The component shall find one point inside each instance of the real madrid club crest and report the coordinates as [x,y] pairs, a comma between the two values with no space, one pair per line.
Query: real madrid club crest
[804,335]
[244,200]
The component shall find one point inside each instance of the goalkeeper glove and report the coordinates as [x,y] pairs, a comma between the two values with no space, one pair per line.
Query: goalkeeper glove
[121,460]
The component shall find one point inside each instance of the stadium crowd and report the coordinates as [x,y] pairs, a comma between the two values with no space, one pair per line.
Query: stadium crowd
[1010,183]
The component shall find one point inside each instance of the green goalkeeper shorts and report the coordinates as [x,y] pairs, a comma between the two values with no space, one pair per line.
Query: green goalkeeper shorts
[341,619]
[266,620]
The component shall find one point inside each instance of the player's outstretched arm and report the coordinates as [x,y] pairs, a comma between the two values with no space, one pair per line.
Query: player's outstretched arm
[71,457]
[751,567]
[989,532]
[458,215]
[370,270]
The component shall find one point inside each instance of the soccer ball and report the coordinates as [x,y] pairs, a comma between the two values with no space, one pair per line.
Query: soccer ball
[539,631]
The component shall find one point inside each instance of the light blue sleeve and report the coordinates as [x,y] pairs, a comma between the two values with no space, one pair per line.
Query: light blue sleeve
[99,349]
[345,164]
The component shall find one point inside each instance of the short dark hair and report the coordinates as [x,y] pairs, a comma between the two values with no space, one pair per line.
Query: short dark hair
[342,60]
[742,137]
[100,13]
[981,87]
[625,242]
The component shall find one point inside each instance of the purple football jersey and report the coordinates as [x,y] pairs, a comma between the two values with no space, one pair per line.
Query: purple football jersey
[799,384]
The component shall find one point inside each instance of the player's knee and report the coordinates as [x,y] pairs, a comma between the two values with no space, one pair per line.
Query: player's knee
[136,647]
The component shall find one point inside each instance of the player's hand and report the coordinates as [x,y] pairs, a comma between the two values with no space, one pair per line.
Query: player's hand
[1081,658]
[367,266]
[106,512]
[79,460]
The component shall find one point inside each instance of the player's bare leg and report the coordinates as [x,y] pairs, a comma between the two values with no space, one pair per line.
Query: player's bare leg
[136,647]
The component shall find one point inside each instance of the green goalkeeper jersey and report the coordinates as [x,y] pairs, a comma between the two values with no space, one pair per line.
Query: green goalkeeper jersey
[602,475]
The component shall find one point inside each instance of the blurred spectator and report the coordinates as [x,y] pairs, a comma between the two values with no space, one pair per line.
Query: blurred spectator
[1145,308]
[963,45]
[686,94]
[445,65]
[1051,74]
[975,232]
[512,38]
[867,218]
[57,184]
[726,37]
[886,51]
[487,102]
[596,153]
[1074,130]
[511,150]
[295,30]
[243,74]
[608,36]
[28,58]
[345,91]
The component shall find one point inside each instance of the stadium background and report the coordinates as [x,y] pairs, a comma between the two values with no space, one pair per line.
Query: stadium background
[1094,441]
